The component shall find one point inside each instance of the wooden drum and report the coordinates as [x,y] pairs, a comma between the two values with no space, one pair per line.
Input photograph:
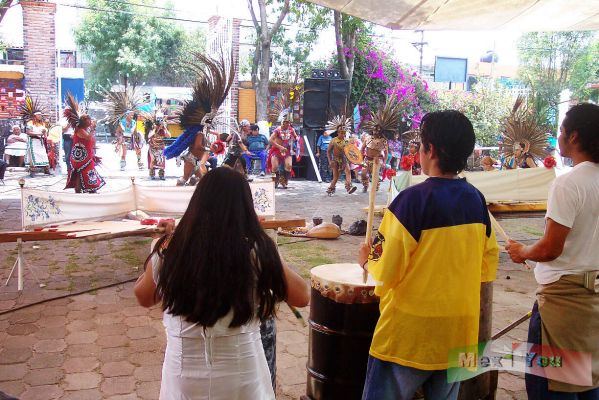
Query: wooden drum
[343,315]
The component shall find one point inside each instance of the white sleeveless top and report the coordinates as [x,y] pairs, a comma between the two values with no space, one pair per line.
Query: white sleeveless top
[216,363]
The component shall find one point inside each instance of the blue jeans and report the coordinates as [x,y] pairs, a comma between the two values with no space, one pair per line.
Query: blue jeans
[268,333]
[67,145]
[389,381]
[323,166]
[537,387]
[258,154]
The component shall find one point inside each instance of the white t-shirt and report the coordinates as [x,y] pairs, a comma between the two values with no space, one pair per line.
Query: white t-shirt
[574,202]
[65,124]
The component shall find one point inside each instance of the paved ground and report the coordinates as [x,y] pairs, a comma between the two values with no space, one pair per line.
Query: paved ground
[102,345]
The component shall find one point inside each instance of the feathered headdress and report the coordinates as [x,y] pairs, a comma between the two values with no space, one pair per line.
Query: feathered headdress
[29,107]
[283,105]
[521,131]
[119,103]
[339,122]
[73,112]
[410,137]
[386,119]
[212,85]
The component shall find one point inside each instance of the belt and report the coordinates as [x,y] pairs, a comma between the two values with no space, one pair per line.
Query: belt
[589,280]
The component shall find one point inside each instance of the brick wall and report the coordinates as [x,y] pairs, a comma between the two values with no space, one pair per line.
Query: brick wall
[11,94]
[39,42]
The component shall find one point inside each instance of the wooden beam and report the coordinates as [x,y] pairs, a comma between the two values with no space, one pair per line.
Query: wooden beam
[107,230]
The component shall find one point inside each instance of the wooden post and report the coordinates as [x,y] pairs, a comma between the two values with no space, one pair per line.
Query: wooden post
[374,177]
[482,386]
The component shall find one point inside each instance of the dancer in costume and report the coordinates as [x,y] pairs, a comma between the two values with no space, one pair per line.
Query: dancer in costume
[83,176]
[37,155]
[411,161]
[237,149]
[156,131]
[521,157]
[523,140]
[335,152]
[121,107]
[382,126]
[213,81]
[282,143]
[126,133]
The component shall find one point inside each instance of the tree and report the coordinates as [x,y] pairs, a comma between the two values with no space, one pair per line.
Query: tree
[291,51]
[125,44]
[584,72]
[262,54]
[485,106]
[177,45]
[377,75]
[351,33]
[546,64]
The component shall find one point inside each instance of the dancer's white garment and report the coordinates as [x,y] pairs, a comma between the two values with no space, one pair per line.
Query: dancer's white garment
[217,363]
[37,155]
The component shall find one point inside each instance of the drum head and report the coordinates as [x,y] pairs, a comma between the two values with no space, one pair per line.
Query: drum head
[343,283]
[353,154]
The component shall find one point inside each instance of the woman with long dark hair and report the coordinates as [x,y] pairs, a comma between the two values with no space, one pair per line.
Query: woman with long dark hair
[218,275]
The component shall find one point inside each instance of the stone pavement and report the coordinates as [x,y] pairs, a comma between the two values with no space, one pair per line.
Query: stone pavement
[102,345]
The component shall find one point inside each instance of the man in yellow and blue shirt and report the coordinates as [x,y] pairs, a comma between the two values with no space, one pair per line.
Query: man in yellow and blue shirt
[434,247]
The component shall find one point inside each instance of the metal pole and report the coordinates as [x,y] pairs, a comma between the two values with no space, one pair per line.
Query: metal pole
[421,51]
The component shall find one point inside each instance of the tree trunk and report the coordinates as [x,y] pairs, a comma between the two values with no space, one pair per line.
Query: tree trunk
[256,63]
[262,94]
[340,46]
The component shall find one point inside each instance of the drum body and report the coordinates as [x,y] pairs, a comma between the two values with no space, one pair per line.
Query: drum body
[343,315]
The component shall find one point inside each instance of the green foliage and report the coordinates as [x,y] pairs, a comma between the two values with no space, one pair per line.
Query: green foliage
[377,75]
[486,107]
[547,61]
[129,45]
[584,72]
[293,43]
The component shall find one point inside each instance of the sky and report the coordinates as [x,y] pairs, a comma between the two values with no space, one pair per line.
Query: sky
[471,44]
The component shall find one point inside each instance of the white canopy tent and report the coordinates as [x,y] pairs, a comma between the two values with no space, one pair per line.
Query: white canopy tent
[520,15]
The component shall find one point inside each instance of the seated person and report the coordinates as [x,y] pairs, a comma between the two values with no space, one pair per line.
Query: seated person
[16,147]
[257,145]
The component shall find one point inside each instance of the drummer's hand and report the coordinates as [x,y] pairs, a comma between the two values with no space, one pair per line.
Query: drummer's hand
[168,224]
[363,253]
[515,250]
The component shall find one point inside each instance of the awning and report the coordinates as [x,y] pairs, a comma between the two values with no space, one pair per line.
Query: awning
[10,71]
[520,15]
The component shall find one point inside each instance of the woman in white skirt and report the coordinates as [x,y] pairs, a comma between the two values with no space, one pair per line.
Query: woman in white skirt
[218,275]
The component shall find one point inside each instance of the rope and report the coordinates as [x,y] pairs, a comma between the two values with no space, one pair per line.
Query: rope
[65,296]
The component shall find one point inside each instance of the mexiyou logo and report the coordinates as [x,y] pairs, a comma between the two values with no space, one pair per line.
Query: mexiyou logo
[560,365]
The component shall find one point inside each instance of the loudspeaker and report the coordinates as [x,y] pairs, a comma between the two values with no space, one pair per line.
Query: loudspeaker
[324,98]
[339,96]
[316,102]
[326,74]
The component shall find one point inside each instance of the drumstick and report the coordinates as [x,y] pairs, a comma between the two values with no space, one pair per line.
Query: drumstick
[297,314]
[375,181]
[503,235]
[496,226]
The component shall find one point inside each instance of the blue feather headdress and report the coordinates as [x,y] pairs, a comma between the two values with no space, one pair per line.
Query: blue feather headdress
[182,142]
[214,79]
